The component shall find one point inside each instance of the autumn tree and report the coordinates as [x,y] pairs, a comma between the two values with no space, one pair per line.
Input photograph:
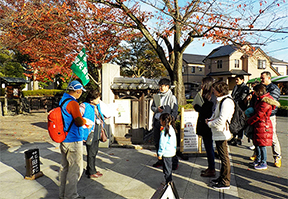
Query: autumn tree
[175,25]
[138,59]
[53,32]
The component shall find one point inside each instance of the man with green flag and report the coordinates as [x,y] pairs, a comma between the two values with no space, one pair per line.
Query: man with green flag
[79,67]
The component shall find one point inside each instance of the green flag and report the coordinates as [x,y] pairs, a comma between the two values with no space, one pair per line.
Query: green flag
[79,67]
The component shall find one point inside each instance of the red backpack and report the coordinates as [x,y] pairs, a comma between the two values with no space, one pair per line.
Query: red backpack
[56,125]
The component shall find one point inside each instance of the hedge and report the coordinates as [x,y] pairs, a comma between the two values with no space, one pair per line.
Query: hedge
[43,92]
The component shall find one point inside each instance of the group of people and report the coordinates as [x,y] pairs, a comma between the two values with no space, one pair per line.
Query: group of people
[85,123]
[215,107]
[260,107]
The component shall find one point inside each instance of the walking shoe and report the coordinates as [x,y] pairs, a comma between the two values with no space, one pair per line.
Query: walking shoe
[255,163]
[239,142]
[233,142]
[216,181]
[277,162]
[209,173]
[261,166]
[253,157]
[96,175]
[220,185]
[157,164]
[204,171]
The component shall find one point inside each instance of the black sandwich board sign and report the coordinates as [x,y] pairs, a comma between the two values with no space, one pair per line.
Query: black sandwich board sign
[32,158]
[166,191]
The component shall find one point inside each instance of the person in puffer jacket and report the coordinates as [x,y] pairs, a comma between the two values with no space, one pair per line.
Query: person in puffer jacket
[263,128]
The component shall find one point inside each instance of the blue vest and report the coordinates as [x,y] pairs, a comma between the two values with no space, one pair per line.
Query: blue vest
[89,114]
[74,134]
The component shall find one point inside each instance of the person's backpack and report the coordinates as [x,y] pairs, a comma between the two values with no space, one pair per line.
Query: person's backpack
[56,125]
[238,119]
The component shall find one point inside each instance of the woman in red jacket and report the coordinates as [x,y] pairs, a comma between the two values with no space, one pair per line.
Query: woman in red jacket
[263,129]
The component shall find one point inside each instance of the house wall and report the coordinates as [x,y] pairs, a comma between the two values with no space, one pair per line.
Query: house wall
[253,65]
[235,56]
[196,77]
[281,68]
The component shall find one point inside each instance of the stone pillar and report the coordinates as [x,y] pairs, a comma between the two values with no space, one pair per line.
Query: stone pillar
[109,71]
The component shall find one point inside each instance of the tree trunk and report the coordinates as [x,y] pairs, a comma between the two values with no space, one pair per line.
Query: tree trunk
[99,71]
[178,79]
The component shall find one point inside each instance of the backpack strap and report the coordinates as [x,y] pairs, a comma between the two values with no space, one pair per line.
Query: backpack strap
[62,115]
[221,102]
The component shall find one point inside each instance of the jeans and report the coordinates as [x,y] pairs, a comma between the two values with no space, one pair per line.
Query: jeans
[225,172]
[208,143]
[261,154]
[71,168]
[92,151]
[276,149]
[167,168]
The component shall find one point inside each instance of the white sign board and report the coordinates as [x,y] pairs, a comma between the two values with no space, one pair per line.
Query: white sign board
[124,111]
[190,141]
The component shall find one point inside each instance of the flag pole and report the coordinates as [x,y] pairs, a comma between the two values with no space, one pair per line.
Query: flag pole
[93,79]
[69,81]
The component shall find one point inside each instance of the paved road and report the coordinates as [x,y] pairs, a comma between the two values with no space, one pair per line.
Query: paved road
[271,183]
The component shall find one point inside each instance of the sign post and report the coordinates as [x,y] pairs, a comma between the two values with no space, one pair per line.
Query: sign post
[190,142]
[32,158]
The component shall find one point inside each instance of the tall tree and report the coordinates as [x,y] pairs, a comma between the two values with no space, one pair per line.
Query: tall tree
[9,64]
[176,24]
[53,32]
[138,59]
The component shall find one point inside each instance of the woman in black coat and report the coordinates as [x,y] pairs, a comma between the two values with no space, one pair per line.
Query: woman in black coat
[205,110]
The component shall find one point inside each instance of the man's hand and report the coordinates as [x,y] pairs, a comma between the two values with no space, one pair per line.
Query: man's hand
[159,157]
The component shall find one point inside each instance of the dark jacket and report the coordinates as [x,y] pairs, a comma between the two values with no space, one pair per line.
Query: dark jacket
[275,93]
[263,129]
[204,112]
[239,94]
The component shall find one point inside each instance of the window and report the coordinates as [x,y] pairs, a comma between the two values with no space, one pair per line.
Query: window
[236,63]
[193,69]
[261,64]
[219,64]
[200,69]
[183,69]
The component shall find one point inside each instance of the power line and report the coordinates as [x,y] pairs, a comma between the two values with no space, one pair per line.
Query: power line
[278,50]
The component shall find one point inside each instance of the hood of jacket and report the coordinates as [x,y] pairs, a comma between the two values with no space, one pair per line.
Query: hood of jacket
[269,100]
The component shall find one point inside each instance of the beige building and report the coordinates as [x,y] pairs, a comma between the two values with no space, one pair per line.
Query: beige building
[193,70]
[280,65]
[225,62]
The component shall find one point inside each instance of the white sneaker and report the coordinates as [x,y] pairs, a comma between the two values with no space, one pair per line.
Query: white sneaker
[252,147]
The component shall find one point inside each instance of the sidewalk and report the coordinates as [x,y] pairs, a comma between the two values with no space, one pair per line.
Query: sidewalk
[127,172]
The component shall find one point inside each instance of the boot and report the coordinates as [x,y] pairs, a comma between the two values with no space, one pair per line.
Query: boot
[209,173]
